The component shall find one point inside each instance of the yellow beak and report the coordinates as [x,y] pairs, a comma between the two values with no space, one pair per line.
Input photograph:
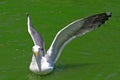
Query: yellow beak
[36,53]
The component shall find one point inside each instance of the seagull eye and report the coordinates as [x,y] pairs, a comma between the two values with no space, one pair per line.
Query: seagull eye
[41,49]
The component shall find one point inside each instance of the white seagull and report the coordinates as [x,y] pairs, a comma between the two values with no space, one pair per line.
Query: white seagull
[43,62]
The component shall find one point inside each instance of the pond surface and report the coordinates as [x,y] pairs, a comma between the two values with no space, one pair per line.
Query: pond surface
[95,56]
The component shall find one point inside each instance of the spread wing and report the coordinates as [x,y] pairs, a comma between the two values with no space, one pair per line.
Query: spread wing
[37,39]
[74,30]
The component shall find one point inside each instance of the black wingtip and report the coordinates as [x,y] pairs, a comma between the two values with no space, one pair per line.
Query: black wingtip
[27,14]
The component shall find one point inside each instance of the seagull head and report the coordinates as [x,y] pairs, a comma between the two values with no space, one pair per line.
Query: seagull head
[37,51]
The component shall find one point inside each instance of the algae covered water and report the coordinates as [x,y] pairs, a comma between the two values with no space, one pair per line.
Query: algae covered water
[94,56]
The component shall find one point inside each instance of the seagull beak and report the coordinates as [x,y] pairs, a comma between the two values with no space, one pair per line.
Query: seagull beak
[36,53]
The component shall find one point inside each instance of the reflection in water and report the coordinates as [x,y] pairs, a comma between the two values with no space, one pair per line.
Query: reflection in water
[32,76]
[68,69]
[58,71]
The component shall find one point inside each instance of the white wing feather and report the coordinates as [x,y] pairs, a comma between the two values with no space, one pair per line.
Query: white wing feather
[73,30]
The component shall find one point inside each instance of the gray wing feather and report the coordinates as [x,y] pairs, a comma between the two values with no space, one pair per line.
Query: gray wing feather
[73,30]
[37,39]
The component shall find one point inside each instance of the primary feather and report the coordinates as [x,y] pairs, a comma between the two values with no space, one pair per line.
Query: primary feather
[73,30]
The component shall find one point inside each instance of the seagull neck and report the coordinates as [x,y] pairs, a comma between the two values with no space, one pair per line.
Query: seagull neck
[38,61]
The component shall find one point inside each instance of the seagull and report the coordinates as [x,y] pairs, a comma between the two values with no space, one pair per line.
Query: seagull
[43,62]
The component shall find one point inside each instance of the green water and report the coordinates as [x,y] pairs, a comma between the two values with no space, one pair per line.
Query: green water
[95,56]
